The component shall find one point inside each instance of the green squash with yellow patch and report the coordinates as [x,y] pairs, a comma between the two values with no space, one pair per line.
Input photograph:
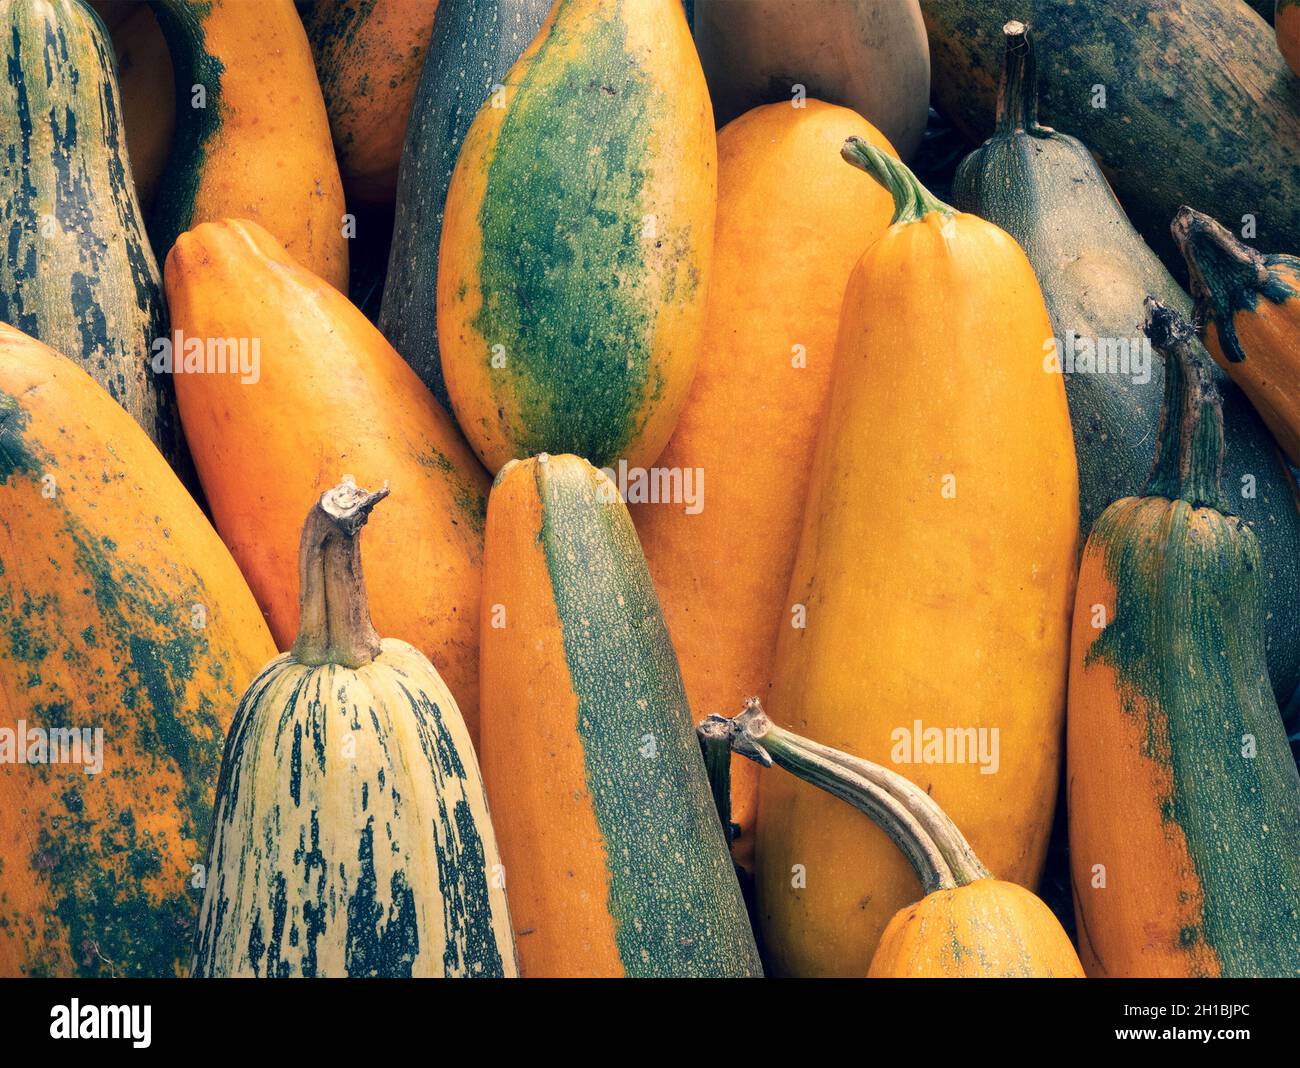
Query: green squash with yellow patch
[577,239]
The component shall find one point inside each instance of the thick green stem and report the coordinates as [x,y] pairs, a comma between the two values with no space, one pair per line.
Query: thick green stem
[936,849]
[334,624]
[1189,441]
[715,746]
[1018,93]
[912,201]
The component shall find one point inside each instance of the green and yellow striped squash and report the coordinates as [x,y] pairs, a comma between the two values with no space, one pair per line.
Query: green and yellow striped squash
[351,835]
[120,610]
[577,239]
[1184,802]
[616,857]
[78,272]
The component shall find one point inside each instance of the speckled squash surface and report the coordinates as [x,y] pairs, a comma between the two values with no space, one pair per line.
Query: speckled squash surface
[615,857]
[351,832]
[793,221]
[473,47]
[1044,188]
[1200,108]
[1174,735]
[259,146]
[121,610]
[368,56]
[987,929]
[331,396]
[577,239]
[78,271]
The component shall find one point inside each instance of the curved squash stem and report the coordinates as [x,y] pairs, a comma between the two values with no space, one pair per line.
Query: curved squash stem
[936,849]
[334,624]
[1189,441]
[1018,93]
[912,201]
[1225,273]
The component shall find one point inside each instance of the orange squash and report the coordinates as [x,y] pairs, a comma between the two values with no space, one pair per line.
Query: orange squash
[934,574]
[1286,23]
[252,137]
[968,925]
[330,396]
[792,222]
[368,58]
[120,610]
[1250,304]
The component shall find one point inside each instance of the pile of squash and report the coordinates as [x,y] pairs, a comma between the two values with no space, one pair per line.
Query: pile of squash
[421,419]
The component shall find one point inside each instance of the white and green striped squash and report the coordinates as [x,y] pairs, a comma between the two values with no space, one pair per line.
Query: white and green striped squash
[352,835]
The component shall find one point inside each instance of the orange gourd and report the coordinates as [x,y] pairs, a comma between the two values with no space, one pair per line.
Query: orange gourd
[252,137]
[1286,23]
[968,925]
[120,611]
[932,587]
[792,222]
[330,396]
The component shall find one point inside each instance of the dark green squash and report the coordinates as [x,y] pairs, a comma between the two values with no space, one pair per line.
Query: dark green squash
[1044,188]
[1200,106]
[474,45]
[78,272]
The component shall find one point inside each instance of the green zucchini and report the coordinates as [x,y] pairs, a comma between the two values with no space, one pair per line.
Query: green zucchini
[1184,102]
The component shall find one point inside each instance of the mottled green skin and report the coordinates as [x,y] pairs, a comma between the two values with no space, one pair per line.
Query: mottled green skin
[1044,189]
[1187,640]
[181,22]
[470,499]
[673,894]
[332,31]
[1201,107]
[78,272]
[281,889]
[473,47]
[93,865]
[564,281]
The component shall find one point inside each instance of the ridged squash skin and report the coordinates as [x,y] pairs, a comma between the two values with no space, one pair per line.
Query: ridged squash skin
[351,834]
[368,56]
[577,238]
[1175,737]
[793,221]
[1286,24]
[1219,127]
[120,609]
[78,271]
[867,55]
[473,47]
[1044,188]
[1250,304]
[260,146]
[615,857]
[332,396]
[988,929]
[933,580]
